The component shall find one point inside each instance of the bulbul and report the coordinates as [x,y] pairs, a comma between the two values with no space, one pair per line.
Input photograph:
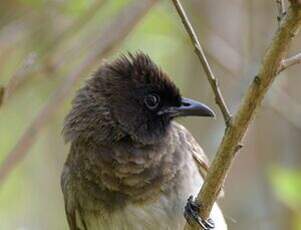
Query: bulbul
[130,165]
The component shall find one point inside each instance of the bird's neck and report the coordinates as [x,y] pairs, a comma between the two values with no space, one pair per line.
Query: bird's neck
[127,168]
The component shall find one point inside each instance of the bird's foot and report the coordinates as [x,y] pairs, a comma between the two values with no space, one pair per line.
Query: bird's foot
[191,214]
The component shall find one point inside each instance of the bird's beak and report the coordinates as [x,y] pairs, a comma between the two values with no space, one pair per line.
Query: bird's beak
[191,107]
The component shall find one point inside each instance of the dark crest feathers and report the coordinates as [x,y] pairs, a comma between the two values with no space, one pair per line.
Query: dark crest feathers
[109,106]
[142,71]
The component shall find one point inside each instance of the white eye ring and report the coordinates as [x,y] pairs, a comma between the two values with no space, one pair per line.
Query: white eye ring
[152,101]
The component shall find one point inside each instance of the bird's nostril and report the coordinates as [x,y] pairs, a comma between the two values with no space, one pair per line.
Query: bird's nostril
[185,103]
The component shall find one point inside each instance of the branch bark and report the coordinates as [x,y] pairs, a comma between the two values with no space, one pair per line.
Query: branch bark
[281,10]
[202,57]
[296,59]
[253,98]
[111,36]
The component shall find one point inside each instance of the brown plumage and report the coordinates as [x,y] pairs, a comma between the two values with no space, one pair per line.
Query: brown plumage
[130,165]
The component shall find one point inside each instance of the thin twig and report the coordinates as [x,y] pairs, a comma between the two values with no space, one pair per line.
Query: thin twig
[253,98]
[296,59]
[281,10]
[111,36]
[22,74]
[201,55]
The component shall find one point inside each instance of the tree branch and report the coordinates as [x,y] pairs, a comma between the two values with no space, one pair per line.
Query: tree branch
[240,122]
[281,10]
[111,36]
[201,55]
[289,62]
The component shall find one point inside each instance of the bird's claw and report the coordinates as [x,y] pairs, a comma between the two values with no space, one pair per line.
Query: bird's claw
[191,214]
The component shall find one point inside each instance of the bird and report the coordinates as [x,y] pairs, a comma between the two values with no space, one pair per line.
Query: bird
[131,165]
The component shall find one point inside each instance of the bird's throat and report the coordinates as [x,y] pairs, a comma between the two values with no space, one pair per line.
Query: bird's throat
[136,172]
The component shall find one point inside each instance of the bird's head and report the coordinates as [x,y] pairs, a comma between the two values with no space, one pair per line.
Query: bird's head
[130,97]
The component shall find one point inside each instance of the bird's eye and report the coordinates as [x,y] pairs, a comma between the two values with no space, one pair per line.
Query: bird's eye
[152,101]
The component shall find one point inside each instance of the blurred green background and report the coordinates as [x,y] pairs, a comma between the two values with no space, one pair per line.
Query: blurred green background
[43,41]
